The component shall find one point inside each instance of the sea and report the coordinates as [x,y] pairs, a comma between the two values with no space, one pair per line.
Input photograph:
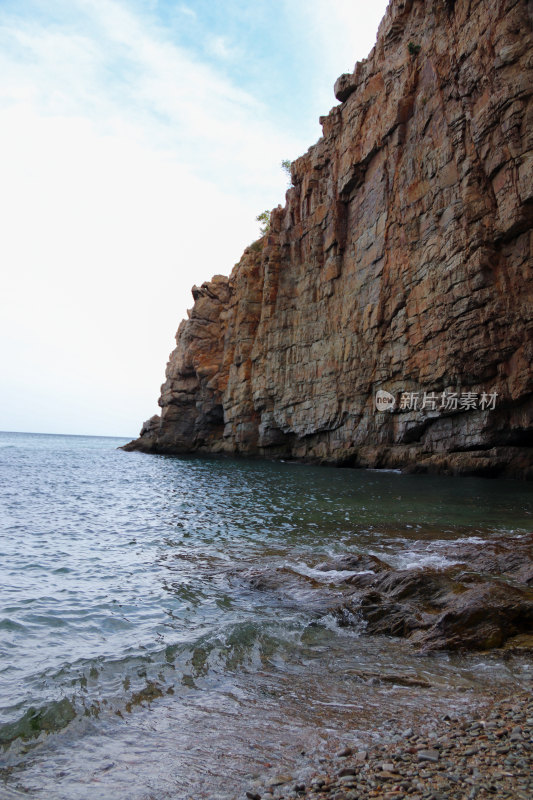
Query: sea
[167,629]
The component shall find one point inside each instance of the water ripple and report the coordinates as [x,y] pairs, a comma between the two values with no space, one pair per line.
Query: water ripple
[194,586]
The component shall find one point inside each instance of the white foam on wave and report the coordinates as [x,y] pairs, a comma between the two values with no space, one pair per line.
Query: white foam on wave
[327,576]
[439,554]
[414,560]
[467,540]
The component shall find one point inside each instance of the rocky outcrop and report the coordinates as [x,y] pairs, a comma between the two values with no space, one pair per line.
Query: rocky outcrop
[481,597]
[484,602]
[401,262]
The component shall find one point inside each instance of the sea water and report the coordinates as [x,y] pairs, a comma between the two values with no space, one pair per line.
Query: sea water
[166,630]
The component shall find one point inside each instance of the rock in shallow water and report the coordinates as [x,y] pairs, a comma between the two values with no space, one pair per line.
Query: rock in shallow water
[470,607]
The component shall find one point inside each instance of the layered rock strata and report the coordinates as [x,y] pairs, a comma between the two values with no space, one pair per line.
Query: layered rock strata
[400,262]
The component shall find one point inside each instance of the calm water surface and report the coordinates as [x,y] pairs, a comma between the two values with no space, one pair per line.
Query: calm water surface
[165,631]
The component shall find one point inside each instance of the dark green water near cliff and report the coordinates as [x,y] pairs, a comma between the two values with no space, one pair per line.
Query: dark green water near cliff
[165,631]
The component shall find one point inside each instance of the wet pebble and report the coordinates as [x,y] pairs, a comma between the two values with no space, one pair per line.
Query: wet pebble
[428,755]
[347,751]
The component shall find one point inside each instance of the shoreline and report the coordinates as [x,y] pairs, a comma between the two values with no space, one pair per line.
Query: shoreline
[486,752]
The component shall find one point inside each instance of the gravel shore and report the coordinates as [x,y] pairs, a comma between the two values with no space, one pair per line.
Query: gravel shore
[488,755]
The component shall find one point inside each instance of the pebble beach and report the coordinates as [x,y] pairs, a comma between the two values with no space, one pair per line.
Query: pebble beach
[487,754]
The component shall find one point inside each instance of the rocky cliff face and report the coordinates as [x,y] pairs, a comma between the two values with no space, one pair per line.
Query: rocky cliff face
[400,262]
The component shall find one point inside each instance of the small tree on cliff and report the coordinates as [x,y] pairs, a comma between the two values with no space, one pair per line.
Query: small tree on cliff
[286,165]
[264,219]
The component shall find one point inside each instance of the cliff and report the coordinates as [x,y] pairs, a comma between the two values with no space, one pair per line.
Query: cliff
[400,262]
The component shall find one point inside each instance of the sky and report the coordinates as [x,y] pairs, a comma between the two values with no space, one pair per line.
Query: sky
[139,141]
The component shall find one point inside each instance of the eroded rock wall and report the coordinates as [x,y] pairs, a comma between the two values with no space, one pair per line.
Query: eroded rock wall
[401,261]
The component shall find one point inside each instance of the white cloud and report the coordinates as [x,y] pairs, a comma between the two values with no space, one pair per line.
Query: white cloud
[189,12]
[222,48]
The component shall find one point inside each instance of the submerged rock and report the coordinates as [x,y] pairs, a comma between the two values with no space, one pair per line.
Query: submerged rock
[52,716]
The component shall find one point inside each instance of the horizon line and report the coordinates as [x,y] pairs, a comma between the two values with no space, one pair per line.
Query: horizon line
[87,435]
